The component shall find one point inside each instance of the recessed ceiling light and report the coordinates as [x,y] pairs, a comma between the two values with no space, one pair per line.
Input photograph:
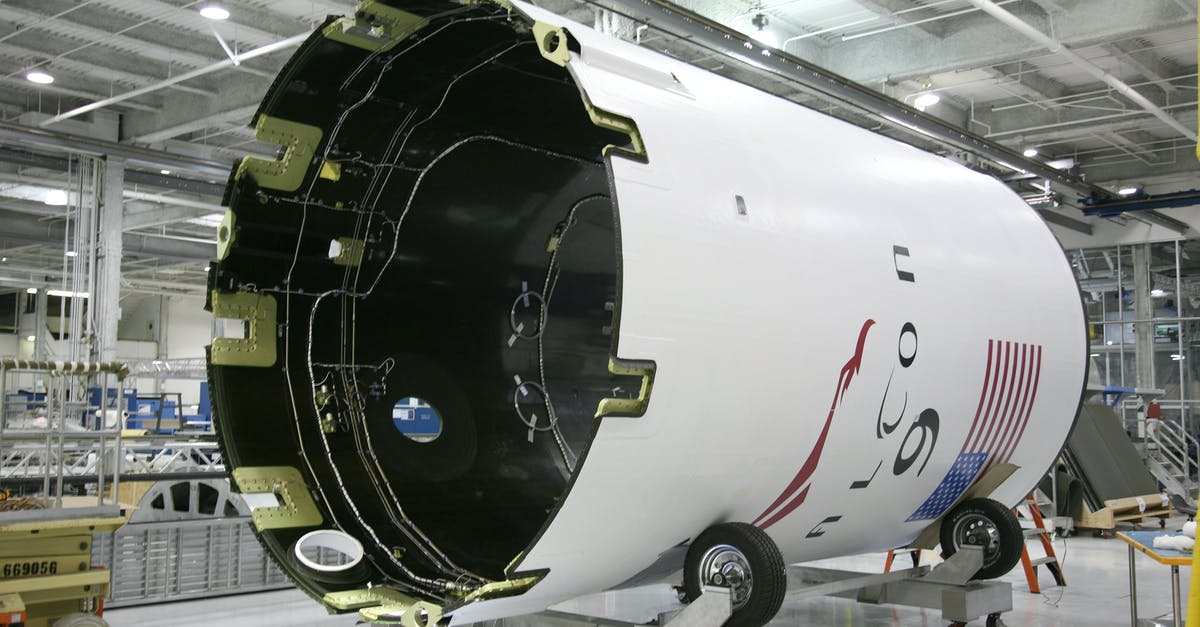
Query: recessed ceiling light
[926,100]
[164,171]
[1030,152]
[39,77]
[56,197]
[1129,190]
[214,12]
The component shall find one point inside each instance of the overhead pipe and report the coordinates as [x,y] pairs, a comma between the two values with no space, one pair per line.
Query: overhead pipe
[283,44]
[1019,25]
[27,135]
[703,32]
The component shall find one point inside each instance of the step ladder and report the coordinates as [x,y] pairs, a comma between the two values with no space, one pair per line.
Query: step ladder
[1049,559]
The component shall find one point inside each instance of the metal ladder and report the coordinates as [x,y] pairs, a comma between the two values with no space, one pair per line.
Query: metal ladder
[1049,559]
[1168,459]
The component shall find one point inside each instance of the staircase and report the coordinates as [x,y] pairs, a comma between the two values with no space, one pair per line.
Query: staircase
[1168,460]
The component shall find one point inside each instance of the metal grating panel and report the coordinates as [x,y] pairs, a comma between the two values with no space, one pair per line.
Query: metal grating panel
[172,561]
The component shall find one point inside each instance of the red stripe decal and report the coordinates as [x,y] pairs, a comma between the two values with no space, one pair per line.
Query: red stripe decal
[1028,410]
[1022,398]
[985,436]
[814,456]
[1009,415]
[982,395]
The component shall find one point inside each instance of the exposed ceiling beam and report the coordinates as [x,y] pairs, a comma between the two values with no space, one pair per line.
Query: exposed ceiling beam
[33,230]
[1096,71]
[78,143]
[81,33]
[283,44]
[160,216]
[1146,64]
[189,20]
[1128,147]
[779,67]
[137,177]
[888,9]
[230,116]
[94,70]
[61,90]
[1027,83]
[1078,226]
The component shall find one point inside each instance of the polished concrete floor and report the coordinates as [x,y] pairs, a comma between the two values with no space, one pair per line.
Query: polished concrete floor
[1097,595]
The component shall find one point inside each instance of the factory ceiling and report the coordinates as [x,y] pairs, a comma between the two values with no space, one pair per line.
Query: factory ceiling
[1103,89]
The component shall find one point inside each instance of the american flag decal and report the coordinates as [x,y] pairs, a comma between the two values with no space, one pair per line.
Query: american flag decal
[1010,384]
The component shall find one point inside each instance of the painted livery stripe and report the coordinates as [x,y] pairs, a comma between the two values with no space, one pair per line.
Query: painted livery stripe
[1037,363]
[1009,417]
[793,495]
[1023,387]
[983,395]
[1001,397]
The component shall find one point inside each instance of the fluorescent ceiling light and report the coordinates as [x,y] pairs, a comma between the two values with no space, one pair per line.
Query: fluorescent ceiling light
[214,12]
[164,171]
[1030,152]
[1095,354]
[1157,293]
[66,294]
[71,253]
[1129,190]
[1177,357]
[30,338]
[39,77]
[56,197]
[31,290]
[926,100]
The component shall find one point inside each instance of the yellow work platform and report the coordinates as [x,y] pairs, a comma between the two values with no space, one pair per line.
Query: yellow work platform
[45,563]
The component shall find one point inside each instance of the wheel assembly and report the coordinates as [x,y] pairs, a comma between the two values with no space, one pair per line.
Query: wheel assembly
[744,559]
[989,525]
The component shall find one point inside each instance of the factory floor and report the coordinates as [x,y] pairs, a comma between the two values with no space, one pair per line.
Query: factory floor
[1097,595]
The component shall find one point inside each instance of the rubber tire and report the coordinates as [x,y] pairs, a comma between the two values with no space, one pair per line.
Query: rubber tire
[766,566]
[1012,539]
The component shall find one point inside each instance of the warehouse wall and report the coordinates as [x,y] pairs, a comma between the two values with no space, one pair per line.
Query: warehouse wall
[8,344]
[187,330]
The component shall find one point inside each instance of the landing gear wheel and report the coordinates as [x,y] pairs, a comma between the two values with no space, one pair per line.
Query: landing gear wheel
[987,524]
[744,559]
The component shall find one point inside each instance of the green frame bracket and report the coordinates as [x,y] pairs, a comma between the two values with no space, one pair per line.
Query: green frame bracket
[226,234]
[375,26]
[299,142]
[350,251]
[385,606]
[296,508]
[257,349]
[628,406]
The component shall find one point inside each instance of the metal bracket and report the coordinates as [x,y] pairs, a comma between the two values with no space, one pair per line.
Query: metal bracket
[297,508]
[628,406]
[375,26]
[299,143]
[349,251]
[258,347]
[552,43]
[226,234]
[386,606]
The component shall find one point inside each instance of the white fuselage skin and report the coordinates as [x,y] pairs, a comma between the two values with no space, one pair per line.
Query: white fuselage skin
[801,346]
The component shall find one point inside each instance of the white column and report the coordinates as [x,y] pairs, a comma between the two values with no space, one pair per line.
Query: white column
[108,275]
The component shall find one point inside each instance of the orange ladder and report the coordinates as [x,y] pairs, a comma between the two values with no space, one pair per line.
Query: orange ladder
[1049,559]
